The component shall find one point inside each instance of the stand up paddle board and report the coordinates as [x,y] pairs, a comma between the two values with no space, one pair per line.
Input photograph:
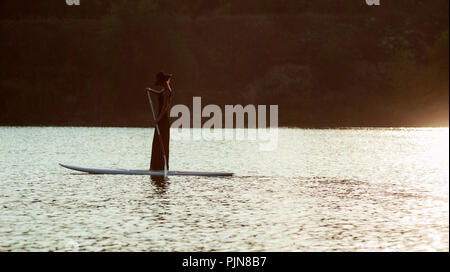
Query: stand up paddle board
[144,172]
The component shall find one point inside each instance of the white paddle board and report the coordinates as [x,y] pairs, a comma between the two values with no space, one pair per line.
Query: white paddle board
[143,172]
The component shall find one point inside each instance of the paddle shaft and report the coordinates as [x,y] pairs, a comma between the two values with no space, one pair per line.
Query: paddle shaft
[159,134]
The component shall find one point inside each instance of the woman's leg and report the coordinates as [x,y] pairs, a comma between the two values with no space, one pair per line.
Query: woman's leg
[157,160]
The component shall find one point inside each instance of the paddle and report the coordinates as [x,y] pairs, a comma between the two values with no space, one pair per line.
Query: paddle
[159,135]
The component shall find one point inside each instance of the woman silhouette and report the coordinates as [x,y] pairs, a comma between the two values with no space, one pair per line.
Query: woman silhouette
[162,119]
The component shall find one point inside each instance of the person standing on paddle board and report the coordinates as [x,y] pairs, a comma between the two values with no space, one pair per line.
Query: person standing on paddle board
[162,120]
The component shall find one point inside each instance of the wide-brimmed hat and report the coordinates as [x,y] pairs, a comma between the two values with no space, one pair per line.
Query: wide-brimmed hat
[161,78]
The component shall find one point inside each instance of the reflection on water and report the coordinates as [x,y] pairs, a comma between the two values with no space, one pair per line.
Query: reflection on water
[320,190]
[159,183]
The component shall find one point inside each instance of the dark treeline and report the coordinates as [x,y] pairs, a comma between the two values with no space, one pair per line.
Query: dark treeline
[325,62]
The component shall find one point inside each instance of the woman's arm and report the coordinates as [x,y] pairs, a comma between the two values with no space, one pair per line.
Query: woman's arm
[161,115]
[153,91]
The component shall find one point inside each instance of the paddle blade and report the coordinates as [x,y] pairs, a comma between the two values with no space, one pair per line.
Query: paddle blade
[165,167]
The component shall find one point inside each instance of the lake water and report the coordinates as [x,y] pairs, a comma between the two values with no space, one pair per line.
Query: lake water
[318,190]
